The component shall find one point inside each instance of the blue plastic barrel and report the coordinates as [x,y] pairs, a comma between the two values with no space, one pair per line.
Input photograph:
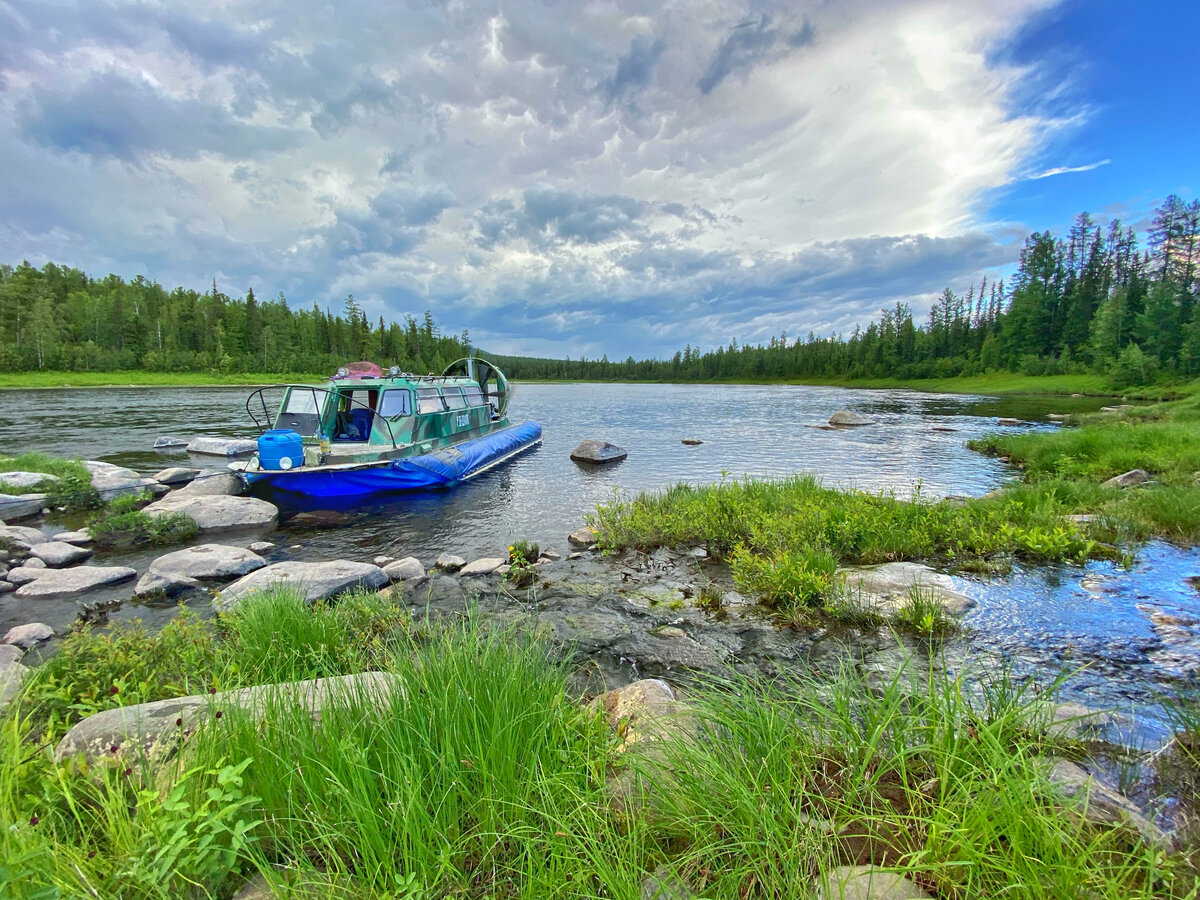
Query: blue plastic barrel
[280,448]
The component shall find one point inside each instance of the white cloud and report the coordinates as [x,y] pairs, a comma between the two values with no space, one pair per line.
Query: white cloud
[1068,170]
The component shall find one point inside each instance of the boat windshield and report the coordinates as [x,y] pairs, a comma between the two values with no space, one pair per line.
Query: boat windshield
[301,411]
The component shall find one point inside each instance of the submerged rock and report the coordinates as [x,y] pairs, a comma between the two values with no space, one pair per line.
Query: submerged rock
[209,561]
[215,446]
[64,582]
[846,417]
[218,513]
[57,554]
[1132,478]
[165,443]
[1100,805]
[591,451]
[25,636]
[314,580]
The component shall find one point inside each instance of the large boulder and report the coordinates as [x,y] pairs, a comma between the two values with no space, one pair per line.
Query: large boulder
[112,481]
[65,582]
[22,535]
[218,513]
[884,588]
[57,554]
[213,484]
[170,584]
[154,731]
[176,475]
[25,636]
[1132,478]
[315,580]
[21,506]
[78,538]
[849,418]
[1100,805]
[25,480]
[215,446]
[591,451]
[215,562]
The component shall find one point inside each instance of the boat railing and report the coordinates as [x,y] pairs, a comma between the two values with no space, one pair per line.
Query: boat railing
[325,408]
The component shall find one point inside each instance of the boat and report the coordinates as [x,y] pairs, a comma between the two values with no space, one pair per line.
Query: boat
[367,431]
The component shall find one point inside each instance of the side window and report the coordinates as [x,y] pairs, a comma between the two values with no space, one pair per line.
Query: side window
[396,403]
[429,401]
[454,398]
[474,396]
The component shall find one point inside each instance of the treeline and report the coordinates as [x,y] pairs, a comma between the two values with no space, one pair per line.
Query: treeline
[58,318]
[1093,301]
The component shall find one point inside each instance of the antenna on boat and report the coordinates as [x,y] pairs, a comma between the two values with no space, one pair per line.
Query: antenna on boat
[471,363]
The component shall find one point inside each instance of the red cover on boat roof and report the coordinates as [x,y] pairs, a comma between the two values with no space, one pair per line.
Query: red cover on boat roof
[362,370]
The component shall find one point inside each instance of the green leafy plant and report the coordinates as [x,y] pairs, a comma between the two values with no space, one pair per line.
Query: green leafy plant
[921,613]
[122,523]
[522,555]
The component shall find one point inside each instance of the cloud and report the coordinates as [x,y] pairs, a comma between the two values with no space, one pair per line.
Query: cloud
[623,173]
[1067,170]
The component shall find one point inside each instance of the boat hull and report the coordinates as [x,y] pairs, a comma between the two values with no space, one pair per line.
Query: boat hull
[440,469]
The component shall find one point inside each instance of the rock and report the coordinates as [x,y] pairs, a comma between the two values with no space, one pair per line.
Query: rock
[1005,420]
[1101,805]
[698,553]
[153,731]
[25,574]
[382,561]
[26,536]
[166,443]
[257,888]
[64,582]
[213,484]
[846,417]
[7,587]
[218,513]
[315,580]
[551,555]
[1072,721]
[57,554]
[170,584]
[642,712]
[867,883]
[116,481]
[662,885]
[485,566]
[942,428]
[21,506]
[79,538]
[320,518]
[575,555]
[448,562]
[216,562]
[26,479]
[176,475]
[884,588]
[1077,396]
[692,442]
[1057,417]
[261,547]
[407,569]
[584,537]
[12,673]
[34,563]
[25,636]
[215,446]
[10,653]
[591,451]
[1132,478]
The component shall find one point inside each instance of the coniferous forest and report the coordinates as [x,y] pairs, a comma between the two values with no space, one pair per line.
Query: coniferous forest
[1095,300]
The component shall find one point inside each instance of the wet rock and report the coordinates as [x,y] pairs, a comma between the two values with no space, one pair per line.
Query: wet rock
[261,547]
[1073,721]
[215,446]
[942,428]
[34,563]
[27,479]
[57,554]
[485,566]
[21,506]
[213,562]
[1132,478]
[849,418]
[78,538]
[320,518]
[65,582]
[584,537]
[315,580]
[214,484]
[20,534]
[575,555]
[25,636]
[692,442]
[641,713]
[407,569]
[1101,805]
[884,588]
[176,475]
[168,584]
[25,574]
[551,554]
[218,513]
[7,587]
[12,673]
[1005,420]
[592,451]
[867,883]
[382,561]
[167,443]
[112,481]
[448,562]
[154,731]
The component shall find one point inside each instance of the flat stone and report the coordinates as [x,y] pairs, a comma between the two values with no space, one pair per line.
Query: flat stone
[1101,805]
[21,534]
[12,673]
[25,636]
[26,479]
[485,566]
[218,513]
[584,537]
[64,582]
[551,554]
[217,562]
[448,562]
[383,561]
[315,580]
[1005,420]
[1129,479]
[942,428]
[57,554]
[691,442]
[176,475]
[165,442]
[10,653]
[170,584]
[25,574]
[407,569]
[884,588]
[213,484]
[1058,417]
[867,883]
[21,506]
[115,481]
[215,446]
[261,547]
[78,538]
[846,417]
[591,451]
[34,563]
[153,731]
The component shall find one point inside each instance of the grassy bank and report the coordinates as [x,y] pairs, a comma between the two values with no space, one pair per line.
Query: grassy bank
[478,776]
[150,379]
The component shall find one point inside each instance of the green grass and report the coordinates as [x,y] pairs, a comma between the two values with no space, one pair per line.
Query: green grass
[121,523]
[73,490]
[153,379]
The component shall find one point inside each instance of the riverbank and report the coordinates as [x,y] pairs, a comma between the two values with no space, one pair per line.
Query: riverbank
[34,380]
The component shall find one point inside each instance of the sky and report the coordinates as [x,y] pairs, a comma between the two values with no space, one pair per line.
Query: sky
[613,177]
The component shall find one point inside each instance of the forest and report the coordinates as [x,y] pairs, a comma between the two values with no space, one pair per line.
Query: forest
[1093,301]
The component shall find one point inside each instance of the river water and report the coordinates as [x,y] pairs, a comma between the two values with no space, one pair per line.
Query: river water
[1129,635]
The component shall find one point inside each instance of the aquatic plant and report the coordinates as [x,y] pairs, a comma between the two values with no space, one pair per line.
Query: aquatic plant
[121,522]
[522,555]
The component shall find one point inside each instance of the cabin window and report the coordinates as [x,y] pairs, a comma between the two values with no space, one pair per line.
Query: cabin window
[474,396]
[454,398]
[429,401]
[395,403]
[300,412]
[355,414]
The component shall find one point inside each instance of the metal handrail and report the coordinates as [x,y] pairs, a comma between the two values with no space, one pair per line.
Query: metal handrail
[321,417]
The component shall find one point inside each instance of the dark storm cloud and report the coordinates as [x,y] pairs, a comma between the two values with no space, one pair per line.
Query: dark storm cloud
[113,116]
[636,68]
[547,214]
